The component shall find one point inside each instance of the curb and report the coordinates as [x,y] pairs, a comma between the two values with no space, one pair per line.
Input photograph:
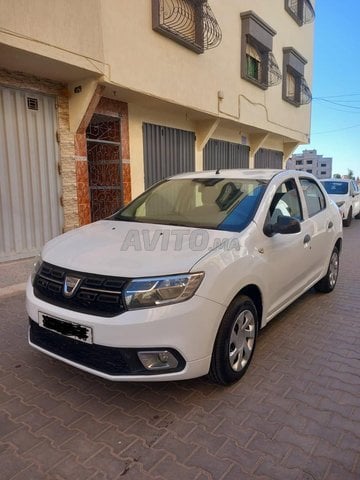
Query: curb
[12,290]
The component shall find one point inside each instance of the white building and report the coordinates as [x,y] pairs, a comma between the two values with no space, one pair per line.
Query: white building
[310,161]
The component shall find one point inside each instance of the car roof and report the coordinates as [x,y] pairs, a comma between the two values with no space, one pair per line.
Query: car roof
[251,173]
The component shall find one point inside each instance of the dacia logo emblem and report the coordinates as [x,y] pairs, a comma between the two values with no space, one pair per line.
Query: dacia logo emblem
[70,286]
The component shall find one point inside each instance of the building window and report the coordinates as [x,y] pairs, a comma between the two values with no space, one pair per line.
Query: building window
[323,164]
[301,11]
[299,162]
[309,162]
[188,22]
[258,64]
[295,89]
[309,171]
[322,173]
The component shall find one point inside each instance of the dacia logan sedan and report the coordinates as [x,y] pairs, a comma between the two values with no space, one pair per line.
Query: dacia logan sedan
[177,284]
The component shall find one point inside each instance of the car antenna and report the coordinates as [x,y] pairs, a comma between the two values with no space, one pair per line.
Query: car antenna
[217,171]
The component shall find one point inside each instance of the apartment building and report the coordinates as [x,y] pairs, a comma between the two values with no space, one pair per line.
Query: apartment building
[310,161]
[99,99]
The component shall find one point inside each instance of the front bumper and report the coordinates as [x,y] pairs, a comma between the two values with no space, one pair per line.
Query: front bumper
[187,329]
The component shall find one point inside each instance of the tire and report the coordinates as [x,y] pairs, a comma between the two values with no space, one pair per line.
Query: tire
[348,219]
[327,283]
[357,216]
[235,342]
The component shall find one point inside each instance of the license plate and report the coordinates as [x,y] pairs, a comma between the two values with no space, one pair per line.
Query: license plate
[68,329]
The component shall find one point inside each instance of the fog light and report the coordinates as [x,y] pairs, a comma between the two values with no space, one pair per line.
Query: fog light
[158,360]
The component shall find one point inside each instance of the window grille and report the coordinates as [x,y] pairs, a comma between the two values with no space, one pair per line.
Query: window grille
[189,22]
[301,10]
[305,92]
[273,74]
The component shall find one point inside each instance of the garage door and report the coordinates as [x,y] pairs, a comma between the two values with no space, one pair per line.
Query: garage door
[221,154]
[30,213]
[265,158]
[167,151]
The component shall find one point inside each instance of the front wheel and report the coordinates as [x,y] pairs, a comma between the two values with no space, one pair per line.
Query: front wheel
[235,342]
[328,282]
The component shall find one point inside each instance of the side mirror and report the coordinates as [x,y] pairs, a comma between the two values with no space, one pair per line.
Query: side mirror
[284,226]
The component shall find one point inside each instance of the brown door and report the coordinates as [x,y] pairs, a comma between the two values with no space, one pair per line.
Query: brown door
[104,160]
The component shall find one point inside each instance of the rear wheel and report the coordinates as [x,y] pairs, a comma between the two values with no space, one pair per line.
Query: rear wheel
[235,342]
[347,221]
[357,216]
[328,282]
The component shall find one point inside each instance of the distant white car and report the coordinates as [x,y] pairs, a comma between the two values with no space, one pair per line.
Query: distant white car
[178,283]
[346,195]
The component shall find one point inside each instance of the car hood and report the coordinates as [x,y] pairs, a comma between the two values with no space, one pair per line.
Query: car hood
[129,249]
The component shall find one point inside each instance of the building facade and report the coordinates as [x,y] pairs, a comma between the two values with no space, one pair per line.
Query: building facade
[310,161]
[99,99]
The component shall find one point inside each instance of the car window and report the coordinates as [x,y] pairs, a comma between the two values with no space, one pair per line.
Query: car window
[218,203]
[336,187]
[286,202]
[354,188]
[314,197]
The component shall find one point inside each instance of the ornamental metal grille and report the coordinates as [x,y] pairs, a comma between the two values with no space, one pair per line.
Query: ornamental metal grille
[273,71]
[302,10]
[191,22]
[305,92]
[104,166]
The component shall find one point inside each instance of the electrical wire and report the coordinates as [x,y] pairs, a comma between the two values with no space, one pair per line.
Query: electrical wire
[337,130]
[338,96]
[338,104]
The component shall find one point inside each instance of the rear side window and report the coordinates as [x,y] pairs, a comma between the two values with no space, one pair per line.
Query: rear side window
[314,197]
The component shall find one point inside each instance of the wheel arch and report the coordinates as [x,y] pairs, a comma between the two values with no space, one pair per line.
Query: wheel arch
[254,293]
[338,244]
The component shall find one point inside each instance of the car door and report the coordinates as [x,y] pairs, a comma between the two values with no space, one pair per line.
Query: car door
[355,195]
[287,257]
[319,225]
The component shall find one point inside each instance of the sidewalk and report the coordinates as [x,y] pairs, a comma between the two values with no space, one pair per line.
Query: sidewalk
[14,275]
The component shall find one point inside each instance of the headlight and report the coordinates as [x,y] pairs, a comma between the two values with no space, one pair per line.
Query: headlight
[157,291]
[36,267]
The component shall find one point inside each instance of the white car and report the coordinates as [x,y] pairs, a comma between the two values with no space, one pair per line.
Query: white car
[346,195]
[178,283]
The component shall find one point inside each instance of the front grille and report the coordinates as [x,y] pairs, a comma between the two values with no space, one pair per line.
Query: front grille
[109,360]
[95,294]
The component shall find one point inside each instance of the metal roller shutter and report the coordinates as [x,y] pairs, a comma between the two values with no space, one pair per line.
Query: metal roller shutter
[30,212]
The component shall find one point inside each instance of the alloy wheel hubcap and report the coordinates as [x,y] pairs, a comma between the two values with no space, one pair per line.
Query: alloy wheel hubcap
[333,269]
[242,340]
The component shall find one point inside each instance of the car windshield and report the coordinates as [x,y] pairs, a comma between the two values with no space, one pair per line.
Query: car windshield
[215,203]
[336,188]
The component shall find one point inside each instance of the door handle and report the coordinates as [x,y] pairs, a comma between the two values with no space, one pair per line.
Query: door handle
[330,225]
[307,239]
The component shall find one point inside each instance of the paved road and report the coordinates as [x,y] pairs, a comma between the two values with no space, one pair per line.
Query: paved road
[295,415]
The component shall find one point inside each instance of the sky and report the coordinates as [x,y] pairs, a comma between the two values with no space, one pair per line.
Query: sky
[335,124]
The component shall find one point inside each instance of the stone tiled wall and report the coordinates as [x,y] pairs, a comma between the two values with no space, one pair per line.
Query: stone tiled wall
[66,138]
